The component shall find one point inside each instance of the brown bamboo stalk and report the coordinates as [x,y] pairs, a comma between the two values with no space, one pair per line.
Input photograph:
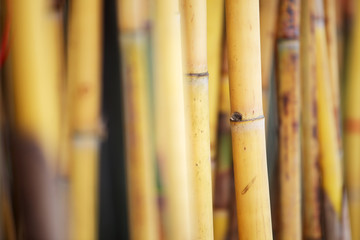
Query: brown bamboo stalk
[268,19]
[247,120]
[312,200]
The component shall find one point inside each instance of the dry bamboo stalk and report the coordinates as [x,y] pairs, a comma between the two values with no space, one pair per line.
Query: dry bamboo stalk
[268,19]
[331,167]
[332,49]
[215,32]
[143,215]
[312,204]
[223,186]
[193,20]
[36,119]
[84,73]
[247,121]
[352,129]
[170,120]
[289,102]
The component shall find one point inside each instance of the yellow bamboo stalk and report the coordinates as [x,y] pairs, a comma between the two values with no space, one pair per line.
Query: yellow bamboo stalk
[312,224]
[288,71]
[143,214]
[223,187]
[268,19]
[170,120]
[331,167]
[84,73]
[352,129]
[247,121]
[193,20]
[215,23]
[332,49]
[36,77]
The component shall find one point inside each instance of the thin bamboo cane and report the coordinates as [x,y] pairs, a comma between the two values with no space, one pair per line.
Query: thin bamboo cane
[289,102]
[143,216]
[332,49]
[247,121]
[170,120]
[215,24]
[331,167]
[352,129]
[193,20]
[268,19]
[223,186]
[36,78]
[312,204]
[84,72]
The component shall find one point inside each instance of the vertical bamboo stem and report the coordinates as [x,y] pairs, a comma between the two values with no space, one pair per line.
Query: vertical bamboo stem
[331,167]
[352,129]
[268,19]
[247,121]
[193,20]
[223,185]
[288,71]
[84,73]
[312,201]
[143,216]
[36,78]
[215,20]
[170,120]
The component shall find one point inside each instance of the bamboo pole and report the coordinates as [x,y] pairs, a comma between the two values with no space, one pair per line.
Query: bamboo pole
[247,121]
[223,186]
[352,129]
[84,73]
[36,118]
[215,24]
[268,19]
[170,120]
[312,201]
[143,216]
[289,102]
[331,167]
[193,21]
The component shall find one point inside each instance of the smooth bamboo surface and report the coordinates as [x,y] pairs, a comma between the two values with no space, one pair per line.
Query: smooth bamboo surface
[170,120]
[247,121]
[193,20]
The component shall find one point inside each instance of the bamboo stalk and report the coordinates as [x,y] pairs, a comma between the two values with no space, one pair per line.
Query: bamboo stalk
[223,190]
[193,21]
[331,167]
[143,216]
[215,24]
[84,73]
[268,19]
[170,120]
[247,121]
[289,102]
[352,129]
[312,202]
[36,119]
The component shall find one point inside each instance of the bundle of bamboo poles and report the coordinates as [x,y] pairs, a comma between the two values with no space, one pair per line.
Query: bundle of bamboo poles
[200,82]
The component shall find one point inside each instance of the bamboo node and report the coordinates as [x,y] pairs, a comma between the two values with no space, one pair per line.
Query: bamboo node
[203,74]
[238,117]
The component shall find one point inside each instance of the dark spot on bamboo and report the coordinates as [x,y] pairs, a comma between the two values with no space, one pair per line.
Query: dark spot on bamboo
[295,126]
[314,132]
[285,98]
[57,4]
[236,117]
[246,189]
[244,148]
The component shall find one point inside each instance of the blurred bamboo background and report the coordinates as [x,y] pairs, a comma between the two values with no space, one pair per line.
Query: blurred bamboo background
[180,119]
